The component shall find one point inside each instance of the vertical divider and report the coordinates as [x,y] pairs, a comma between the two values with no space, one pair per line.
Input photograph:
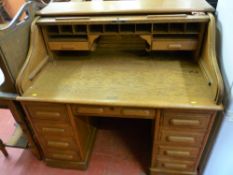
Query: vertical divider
[185,27]
[169,27]
[88,29]
[59,29]
[73,29]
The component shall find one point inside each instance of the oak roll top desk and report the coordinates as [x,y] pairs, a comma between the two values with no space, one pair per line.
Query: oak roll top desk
[151,60]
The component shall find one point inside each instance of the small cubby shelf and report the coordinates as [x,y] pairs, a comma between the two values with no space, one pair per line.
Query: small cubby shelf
[156,34]
[137,28]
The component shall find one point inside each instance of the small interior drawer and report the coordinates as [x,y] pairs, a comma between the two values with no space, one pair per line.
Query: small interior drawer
[172,138]
[51,112]
[186,120]
[175,165]
[181,153]
[46,129]
[174,44]
[68,45]
[138,112]
[63,155]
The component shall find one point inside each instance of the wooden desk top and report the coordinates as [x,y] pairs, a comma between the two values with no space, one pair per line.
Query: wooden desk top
[125,7]
[123,79]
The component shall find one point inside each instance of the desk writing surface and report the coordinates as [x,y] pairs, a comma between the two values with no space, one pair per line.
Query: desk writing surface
[125,78]
[125,7]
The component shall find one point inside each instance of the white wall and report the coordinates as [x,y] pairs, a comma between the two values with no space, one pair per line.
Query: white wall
[221,159]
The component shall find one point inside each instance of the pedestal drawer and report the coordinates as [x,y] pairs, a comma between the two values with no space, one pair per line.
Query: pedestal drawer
[186,120]
[47,129]
[59,143]
[173,138]
[52,112]
[181,153]
[175,165]
[63,155]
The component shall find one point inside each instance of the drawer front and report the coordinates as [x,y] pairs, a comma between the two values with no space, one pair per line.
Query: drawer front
[79,45]
[136,112]
[182,138]
[63,155]
[181,153]
[187,120]
[174,44]
[95,110]
[60,130]
[175,165]
[113,111]
[59,143]
[51,112]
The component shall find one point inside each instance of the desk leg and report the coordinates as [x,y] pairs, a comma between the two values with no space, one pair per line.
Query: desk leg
[3,149]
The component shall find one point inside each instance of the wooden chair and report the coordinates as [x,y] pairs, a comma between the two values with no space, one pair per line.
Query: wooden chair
[3,149]
[14,45]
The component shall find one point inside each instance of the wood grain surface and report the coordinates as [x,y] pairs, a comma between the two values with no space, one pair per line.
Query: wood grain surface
[132,78]
[125,7]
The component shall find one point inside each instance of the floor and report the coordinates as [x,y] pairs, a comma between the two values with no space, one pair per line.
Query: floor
[118,150]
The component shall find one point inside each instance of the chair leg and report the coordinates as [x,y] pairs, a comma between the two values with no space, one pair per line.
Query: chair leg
[3,149]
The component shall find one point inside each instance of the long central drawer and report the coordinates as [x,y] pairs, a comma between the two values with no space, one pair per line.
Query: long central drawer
[113,111]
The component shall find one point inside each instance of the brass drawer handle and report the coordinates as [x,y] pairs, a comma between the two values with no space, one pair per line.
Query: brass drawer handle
[53,130]
[48,114]
[62,156]
[185,122]
[177,153]
[58,144]
[174,166]
[181,139]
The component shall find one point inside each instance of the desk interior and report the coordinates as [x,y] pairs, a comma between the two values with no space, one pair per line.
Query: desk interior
[123,78]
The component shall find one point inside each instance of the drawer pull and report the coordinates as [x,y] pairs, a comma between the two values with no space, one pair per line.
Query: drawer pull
[62,156]
[58,144]
[181,139]
[174,46]
[177,153]
[53,130]
[175,166]
[185,122]
[48,114]
[90,110]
